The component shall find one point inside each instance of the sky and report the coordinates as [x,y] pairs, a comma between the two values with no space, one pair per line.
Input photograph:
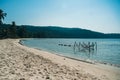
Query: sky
[97,15]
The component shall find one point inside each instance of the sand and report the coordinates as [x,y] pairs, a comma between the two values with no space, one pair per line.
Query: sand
[18,62]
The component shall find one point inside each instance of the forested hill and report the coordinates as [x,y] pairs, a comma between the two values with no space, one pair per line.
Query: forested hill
[26,31]
[60,32]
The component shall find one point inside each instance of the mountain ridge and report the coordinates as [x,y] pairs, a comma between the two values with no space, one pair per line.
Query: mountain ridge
[30,31]
[64,32]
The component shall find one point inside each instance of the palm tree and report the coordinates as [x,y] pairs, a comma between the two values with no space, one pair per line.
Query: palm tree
[2,16]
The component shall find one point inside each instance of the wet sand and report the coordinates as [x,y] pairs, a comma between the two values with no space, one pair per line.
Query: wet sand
[18,62]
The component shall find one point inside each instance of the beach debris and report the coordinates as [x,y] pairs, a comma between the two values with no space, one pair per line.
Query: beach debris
[47,77]
[22,79]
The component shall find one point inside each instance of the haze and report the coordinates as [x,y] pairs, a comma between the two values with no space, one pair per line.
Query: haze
[96,15]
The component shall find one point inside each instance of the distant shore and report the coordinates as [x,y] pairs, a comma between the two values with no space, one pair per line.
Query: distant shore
[23,63]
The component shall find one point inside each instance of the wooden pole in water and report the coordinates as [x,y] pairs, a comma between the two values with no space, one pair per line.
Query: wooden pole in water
[89,47]
[79,46]
[92,46]
[74,46]
[96,45]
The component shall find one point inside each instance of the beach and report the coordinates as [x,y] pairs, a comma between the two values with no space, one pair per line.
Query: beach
[18,62]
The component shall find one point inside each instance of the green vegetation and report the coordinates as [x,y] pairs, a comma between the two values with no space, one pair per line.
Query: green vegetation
[25,31]
[2,15]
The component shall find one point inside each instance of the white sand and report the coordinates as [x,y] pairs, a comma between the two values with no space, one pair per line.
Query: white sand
[18,62]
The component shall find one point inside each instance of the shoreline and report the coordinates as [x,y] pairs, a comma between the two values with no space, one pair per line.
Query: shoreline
[86,61]
[33,64]
[96,64]
[58,54]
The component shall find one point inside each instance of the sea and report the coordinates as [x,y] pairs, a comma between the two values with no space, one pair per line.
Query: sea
[105,51]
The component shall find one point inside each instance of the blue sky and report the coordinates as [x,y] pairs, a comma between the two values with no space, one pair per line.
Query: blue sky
[97,15]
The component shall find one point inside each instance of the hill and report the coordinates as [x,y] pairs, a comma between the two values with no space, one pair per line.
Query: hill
[57,32]
[61,32]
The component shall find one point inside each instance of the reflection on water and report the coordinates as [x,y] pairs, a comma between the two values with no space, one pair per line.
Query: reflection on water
[101,50]
[87,48]
[88,53]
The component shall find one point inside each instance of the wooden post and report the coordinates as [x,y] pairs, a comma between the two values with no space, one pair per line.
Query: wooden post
[96,45]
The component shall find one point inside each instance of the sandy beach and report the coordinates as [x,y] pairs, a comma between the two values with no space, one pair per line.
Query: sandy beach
[18,62]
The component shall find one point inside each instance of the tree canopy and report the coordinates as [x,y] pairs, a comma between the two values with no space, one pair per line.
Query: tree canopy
[2,16]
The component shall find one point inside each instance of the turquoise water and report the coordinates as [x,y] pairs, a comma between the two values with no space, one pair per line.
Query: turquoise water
[108,50]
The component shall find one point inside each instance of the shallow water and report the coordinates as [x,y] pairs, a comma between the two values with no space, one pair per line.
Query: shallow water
[107,51]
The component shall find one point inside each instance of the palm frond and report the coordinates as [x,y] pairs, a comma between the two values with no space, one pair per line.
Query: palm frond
[2,17]
[5,14]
